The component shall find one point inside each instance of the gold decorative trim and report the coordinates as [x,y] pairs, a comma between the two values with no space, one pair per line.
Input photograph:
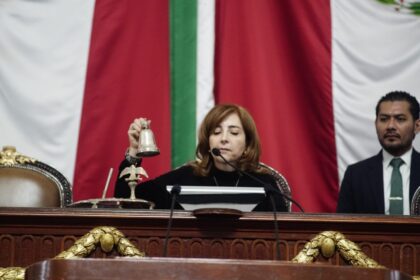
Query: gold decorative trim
[9,157]
[12,273]
[328,242]
[106,237]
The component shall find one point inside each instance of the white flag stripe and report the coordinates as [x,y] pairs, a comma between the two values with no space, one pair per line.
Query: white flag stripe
[375,50]
[43,53]
[205,58]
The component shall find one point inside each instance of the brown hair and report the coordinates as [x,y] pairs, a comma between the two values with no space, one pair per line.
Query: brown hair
[250,158]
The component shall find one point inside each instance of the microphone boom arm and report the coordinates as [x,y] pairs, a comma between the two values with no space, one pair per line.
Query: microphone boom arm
[267,187]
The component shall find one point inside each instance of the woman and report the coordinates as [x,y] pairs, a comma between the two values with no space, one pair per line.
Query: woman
[229,128]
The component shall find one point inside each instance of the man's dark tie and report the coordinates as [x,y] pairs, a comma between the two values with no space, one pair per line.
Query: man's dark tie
[396,197]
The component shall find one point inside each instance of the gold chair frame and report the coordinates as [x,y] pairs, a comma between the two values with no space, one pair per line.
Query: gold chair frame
[14,162]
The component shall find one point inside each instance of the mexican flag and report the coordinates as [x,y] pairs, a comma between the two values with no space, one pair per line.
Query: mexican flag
[74,74]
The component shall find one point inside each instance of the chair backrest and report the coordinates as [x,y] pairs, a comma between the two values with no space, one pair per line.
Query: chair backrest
[415,203]
[27,182]
[281,184]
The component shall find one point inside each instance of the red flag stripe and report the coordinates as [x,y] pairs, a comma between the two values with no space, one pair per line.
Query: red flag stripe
[274,58]
[127,77]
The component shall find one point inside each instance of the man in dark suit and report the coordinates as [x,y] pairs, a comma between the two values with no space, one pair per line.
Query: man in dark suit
[368,186]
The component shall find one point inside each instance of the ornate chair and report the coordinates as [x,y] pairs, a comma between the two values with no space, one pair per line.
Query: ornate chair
[415,203]
[26,182]
[281,184]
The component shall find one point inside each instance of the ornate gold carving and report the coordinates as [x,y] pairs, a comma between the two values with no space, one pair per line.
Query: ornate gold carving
[12,273]
[327,247]
[107,242]
[330,241]
[9,157]
[107,237]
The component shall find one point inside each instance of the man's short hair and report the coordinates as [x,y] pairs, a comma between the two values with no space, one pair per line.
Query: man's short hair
[401,96]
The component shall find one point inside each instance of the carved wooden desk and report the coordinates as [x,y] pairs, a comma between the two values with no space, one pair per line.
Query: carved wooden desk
[204,269]
[29,235]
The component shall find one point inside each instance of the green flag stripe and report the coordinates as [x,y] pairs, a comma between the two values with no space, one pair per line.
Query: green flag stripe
[183,28]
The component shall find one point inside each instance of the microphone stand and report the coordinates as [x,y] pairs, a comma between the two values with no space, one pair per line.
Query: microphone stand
[175,191]
[270,190]
[217,153]
[276,225]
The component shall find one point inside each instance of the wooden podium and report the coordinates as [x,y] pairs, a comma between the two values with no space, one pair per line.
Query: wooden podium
[203,269]
[31,235]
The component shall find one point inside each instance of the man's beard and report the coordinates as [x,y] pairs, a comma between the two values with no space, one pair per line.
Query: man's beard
[398,149]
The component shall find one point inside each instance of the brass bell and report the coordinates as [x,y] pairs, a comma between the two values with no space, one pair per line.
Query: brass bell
[147,144]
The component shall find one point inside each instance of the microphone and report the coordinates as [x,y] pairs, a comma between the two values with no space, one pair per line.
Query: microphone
[175,191]
[267,187]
